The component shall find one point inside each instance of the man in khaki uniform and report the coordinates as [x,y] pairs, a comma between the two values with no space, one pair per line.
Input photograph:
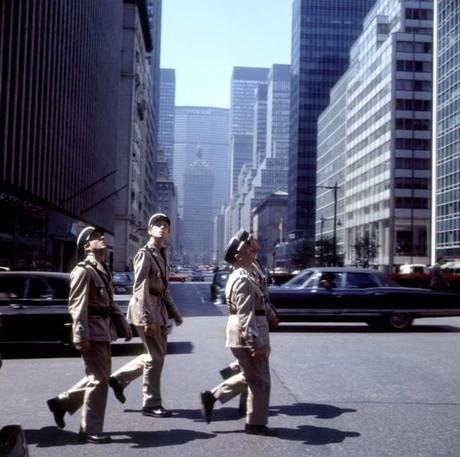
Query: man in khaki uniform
[95,323]
[236,385]
[149,309]
[247,336]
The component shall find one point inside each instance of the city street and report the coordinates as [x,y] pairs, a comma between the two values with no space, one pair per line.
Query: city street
[337,390]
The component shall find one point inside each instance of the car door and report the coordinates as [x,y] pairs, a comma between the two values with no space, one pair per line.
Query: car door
[309,300]
[12,301]
[364,296]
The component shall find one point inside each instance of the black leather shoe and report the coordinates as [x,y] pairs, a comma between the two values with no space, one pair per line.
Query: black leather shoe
[94,438]
[57,410]
[207,404]
[157,411]
[252,429]
[117,390]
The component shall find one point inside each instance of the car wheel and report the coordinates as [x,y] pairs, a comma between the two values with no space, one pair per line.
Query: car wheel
[398,321]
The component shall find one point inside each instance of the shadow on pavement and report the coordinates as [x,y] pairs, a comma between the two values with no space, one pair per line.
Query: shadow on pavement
[47,350]
[53,437]
[308,434]
[363,328]
[310,409]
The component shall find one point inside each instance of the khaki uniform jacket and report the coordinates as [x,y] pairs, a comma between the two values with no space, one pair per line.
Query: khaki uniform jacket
[88,292]
[151,299]
[247,325]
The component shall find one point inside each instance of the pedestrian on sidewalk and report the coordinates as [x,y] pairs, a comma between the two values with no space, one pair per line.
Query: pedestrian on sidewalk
[96,322]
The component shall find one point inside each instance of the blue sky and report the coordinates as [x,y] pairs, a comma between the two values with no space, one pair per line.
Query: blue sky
[204,39]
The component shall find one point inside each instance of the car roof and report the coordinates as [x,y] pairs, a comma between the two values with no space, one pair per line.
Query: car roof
[46,274]
[342,270]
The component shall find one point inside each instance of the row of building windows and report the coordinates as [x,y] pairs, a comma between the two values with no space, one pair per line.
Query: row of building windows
[413,124]
[368,175]
[414,85]
[372,155]
[414,46]
[419,13]
[363,195]
[410,163]
[411,203]
[449,210]
[369,140]
[449,138]
[412,183]
[369,123]
[369,105]
[410,104]
[414,66]
[413,144]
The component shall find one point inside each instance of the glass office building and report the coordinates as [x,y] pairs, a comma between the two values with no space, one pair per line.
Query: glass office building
[447,151]
[322,33]
[388,133]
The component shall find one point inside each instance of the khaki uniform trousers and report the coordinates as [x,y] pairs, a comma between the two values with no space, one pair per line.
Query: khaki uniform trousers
[91,391]
[148,365]
[230,388]
[256,371]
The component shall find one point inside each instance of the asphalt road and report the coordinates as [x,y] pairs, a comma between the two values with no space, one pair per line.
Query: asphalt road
[337,390]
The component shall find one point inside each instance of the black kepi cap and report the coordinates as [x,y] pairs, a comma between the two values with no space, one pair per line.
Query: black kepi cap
[233,246]
[243,235]
[87,234]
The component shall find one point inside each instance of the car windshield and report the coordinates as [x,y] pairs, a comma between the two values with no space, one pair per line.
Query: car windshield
[298,282]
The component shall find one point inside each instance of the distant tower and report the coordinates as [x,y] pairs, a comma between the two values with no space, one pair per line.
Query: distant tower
[198,215]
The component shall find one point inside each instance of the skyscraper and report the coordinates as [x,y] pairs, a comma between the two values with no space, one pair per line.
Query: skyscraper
[322,33]
[167,113]
[447,165]
[243,88]
[198,212]
[388,134]
[58,126]
[208,128]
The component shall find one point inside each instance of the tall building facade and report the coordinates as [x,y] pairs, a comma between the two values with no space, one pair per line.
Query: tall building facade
[58,127]
[167,113]
[244,83]
[388,134]
[207,128]
[322,33]
[330,171]
[278,108]
[259,139]
[198,211]
[136,150]
[271,167]
[446,200]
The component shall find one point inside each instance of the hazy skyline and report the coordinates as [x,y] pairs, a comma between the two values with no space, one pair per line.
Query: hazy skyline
[204,40]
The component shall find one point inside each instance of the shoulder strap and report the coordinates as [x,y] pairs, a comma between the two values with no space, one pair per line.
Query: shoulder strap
[163,277]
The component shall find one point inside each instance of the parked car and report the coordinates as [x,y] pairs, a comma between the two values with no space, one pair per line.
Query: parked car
[217,288]
[178,277]
[34,307]
[123,282]
[358,295]
[197,275]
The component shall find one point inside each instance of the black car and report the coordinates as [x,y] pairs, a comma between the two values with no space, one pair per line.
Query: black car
[217,289]
[123,282]
[34,307]
[358,295]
